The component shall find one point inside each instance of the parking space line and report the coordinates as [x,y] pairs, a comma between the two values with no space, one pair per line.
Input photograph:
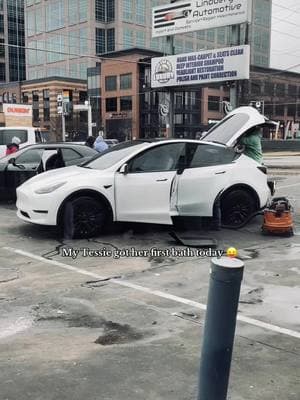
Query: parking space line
[158,293]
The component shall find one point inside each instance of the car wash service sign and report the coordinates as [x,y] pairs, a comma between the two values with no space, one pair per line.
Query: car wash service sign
[195,15]
[210,66]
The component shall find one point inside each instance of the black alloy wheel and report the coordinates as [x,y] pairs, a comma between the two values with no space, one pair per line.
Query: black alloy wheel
[237,207]
[84,217]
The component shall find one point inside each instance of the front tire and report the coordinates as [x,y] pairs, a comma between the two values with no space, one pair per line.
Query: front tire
[84,217]
[237,207]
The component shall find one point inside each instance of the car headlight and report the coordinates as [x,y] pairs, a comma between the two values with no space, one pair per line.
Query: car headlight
[50,188]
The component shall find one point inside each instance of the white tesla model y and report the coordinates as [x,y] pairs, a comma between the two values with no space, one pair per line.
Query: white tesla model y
[153,182]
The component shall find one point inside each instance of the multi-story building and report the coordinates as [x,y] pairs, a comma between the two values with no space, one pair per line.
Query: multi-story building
[130,108]
[12,41]
[64,36]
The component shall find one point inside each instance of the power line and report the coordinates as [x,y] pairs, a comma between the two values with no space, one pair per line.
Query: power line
[97,57]
[286,8]
[287,22]
[286,34]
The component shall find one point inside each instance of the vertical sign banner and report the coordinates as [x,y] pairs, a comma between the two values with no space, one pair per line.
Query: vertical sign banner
[195,15]
[209,66]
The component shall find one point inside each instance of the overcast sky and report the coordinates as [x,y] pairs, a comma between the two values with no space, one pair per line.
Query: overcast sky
[285,38]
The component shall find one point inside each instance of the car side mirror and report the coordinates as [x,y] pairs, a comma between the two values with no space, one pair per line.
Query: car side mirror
[124,169]
[12,161]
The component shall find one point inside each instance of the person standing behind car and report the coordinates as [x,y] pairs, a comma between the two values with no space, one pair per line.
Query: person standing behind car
[90,141]
[100,145]
[13,147]
[251,144]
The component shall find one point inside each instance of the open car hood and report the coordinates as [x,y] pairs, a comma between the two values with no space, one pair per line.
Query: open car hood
[235,125]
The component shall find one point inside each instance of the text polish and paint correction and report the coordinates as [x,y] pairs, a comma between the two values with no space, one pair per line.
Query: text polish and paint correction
[231,63]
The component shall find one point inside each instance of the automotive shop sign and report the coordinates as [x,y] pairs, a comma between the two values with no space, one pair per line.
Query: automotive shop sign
[195,15]
[209,66]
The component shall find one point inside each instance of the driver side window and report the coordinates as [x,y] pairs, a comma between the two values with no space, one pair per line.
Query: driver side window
[33,156]
[158,159]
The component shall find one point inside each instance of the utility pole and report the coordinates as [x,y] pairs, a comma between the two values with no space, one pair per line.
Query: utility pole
[170,131]
[234,89]
[63,125]
[61,109]
[90,129]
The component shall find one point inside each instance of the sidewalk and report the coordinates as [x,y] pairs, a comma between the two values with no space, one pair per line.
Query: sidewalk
[282,160]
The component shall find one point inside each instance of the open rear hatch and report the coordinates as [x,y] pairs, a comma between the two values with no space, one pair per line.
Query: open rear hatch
[231,128]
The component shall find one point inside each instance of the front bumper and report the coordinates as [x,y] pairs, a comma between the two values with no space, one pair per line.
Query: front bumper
[37,209]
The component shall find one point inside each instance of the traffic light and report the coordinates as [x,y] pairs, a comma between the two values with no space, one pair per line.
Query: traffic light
[59,104]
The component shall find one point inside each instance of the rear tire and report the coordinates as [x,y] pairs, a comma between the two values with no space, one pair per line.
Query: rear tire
[84,217]
[237,207]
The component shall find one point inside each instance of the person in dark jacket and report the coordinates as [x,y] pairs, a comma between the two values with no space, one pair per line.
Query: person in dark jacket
[13,147]
[90,141]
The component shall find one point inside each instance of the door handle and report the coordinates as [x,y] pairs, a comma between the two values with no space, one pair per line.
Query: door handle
[220,173]
[161,180]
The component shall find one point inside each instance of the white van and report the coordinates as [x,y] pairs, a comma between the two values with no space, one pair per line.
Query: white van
[25,134]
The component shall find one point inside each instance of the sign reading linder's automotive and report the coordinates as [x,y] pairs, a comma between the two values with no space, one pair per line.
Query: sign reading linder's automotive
[195,15]
[231,63]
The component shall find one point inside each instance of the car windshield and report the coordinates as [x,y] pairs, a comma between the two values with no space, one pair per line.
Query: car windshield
[225,129]
[113,155]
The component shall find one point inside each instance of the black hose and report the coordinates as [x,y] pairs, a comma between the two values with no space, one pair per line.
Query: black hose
[243,223]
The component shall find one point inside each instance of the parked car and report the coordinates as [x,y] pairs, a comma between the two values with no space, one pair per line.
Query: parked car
[26,135]
[153,182]
[16,168]
[111,142]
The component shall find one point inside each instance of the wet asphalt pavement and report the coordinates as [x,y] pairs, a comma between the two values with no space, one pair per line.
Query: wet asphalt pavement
[93,327]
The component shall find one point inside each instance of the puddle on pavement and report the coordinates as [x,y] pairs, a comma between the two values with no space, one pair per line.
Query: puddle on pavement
[111,332]
[254,296]
[73,321]
[248,254]
[115,333]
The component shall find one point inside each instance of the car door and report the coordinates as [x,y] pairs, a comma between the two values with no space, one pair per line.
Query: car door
[26,166]
[143,194]
[208,170]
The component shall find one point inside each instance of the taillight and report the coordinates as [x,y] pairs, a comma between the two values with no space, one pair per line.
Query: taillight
[263,169]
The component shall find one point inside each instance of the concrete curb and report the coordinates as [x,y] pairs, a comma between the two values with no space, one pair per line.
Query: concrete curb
[289,167]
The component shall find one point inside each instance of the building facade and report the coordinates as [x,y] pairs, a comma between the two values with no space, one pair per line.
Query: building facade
[130,108]
[42,95]
[64,36]
[12,41]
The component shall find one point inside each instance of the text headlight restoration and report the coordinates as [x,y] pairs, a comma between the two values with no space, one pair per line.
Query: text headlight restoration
[50,188]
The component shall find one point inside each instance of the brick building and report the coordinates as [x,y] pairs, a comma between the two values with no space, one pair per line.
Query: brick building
[42,95]
[130,108]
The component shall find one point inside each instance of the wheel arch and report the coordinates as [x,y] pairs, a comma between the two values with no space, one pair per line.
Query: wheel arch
[84,192]
[239,186]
